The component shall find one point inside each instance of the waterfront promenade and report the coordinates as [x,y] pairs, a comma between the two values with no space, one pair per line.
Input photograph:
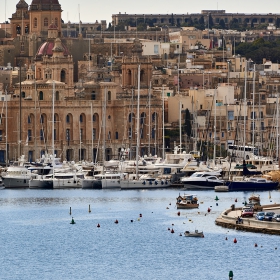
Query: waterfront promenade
[228,219]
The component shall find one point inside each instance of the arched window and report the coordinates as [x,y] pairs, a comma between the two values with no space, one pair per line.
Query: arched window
[62,76]
[94,118]
[35,23]
[28,119]
[109,135]
[68,118]
[81,118]
[117,135]
[41,119]
[154,117]
[93,95]
[57,95]
[142,119]
[130,117]
[142,74]
[23,94]
[109,95]
[41,95]
[46,22]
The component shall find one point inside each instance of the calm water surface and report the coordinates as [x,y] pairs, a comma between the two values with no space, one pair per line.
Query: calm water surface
[37,240]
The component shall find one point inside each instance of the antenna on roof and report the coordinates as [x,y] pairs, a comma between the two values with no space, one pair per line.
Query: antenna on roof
[79,20]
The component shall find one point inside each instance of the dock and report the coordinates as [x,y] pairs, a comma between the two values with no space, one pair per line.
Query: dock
[228,219]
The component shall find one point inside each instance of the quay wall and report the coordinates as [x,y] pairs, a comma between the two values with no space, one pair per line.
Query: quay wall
[229,216]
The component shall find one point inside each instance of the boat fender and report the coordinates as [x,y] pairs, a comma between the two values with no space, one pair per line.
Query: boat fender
[156,182]
[144,183]
[150,182]
[162,182]
[166,182]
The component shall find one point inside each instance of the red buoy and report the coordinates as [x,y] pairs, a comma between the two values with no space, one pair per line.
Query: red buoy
[256,245]
[98,225]
[235,240]
[116,221]
[172,231]
[179,213]
[235,200]
[209,209]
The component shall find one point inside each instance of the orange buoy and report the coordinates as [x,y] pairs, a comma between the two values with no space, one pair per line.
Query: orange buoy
[116,221]
[179,213]
[98,225]
[256,245]
[235,240]
[172,231]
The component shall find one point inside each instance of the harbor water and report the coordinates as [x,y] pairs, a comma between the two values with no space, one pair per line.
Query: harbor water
[38,242]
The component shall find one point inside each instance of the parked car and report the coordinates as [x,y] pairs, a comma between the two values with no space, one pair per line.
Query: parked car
[268,216]
[276,217]
[247,212]
[260,216]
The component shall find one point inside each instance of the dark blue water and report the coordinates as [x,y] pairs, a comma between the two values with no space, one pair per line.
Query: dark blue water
[37,240]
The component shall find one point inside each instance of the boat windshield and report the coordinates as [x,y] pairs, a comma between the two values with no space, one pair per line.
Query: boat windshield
[196,175]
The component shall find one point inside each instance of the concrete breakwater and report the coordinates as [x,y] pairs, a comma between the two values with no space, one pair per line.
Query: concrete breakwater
[228,219]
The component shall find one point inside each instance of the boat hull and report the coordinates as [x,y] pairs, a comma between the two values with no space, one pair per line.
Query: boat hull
[194,234]
[186,205]
[251,186]
[201,185]
[91,184]
[10,182]
[138,184]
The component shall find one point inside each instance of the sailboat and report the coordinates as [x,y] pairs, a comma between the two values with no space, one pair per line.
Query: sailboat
[146,181]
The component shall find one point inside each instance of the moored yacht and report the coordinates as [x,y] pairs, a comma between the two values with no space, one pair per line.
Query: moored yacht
[203,180]
[17,175]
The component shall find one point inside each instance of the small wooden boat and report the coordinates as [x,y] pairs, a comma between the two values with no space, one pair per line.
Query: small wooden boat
[187,201]
[255,199]
[195,233]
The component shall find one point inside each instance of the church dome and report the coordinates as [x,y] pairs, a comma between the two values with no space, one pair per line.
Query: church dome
[47,49]
[22,5]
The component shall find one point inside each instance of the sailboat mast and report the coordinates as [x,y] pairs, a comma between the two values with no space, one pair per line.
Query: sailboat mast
[53,95]
[163,144]
[215,120]
[180,125]
[149,147]
[137,130]
[91,133]
[6,127]
[104,128]
[245,88]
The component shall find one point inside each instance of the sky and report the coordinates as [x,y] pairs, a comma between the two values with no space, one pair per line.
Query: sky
[90,11]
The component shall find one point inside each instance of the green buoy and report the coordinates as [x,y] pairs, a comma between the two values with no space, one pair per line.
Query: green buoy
[216,198]
[72,221]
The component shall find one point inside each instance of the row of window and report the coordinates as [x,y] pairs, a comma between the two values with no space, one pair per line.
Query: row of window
[46,22]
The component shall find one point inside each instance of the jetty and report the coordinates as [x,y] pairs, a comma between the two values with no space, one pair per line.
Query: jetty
[228,219]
